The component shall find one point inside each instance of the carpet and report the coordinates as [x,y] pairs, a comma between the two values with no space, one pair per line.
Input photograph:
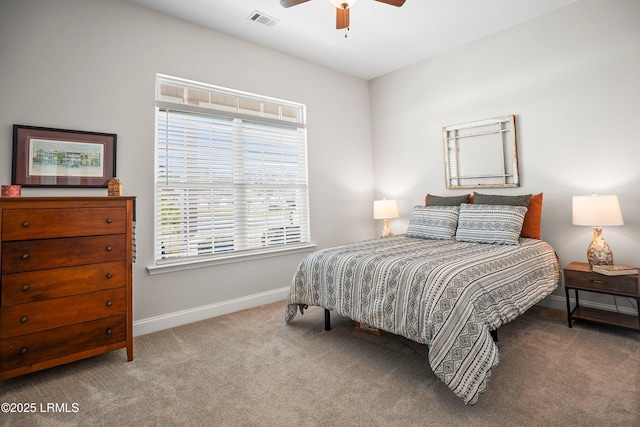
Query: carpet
[251,369]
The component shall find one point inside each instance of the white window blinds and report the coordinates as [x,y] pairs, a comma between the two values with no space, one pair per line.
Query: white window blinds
[231,175]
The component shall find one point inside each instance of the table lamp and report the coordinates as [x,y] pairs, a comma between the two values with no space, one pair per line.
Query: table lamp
[385,209]
[597,211]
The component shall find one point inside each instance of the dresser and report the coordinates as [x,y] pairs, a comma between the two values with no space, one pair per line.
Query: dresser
[66,277]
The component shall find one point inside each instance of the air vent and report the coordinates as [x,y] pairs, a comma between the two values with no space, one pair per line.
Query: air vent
[263,19]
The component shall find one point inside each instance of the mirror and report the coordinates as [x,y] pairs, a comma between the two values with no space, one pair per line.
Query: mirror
[481,154]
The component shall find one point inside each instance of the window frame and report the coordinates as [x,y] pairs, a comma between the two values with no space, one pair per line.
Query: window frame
[250,111]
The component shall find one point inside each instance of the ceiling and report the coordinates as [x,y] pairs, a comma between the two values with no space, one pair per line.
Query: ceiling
[381,39]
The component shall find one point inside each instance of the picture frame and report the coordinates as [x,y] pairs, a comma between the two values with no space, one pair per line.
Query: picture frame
[481,154]
[49,157]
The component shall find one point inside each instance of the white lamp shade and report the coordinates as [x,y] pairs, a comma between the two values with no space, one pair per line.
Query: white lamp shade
[596,211]
[385,209]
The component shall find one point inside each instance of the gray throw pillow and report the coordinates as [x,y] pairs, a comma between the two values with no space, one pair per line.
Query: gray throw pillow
[496,199]
[432,200]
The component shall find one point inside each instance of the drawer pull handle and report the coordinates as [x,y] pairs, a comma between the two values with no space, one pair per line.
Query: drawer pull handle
[109,220]
[24,350]
[25,288]
[108,248]
[25,224]
[109,275]
[599,282]
[109,303]
[25,256]
[24,319]
[109,331]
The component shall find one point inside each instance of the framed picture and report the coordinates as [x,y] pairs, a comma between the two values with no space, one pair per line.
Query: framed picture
[47,157]
[481,154]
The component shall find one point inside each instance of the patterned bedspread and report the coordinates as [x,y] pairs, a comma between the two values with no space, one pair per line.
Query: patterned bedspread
[442,293]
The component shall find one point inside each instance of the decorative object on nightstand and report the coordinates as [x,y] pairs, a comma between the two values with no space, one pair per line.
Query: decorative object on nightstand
[597,211]
[614,269]
[385,209]
[579,277]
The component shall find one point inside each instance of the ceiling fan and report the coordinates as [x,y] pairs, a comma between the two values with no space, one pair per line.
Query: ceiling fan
[342,9]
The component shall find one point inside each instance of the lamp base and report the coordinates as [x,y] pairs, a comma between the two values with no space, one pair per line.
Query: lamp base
[599,252]
[386,231]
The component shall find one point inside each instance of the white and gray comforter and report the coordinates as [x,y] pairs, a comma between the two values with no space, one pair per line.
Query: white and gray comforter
[442,293]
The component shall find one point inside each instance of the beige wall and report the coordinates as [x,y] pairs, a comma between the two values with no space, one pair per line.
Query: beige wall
[571,77]
[91,65]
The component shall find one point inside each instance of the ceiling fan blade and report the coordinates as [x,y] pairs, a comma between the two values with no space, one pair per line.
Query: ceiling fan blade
[342,18]
[396,3]
[289,3]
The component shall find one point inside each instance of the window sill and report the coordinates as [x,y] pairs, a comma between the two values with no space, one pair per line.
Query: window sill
[171,267]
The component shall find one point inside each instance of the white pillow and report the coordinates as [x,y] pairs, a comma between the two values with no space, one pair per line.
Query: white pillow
[498,224]
[433,222]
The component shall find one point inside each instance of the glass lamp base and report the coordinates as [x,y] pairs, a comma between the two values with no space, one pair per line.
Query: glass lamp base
[386,232]
[599,252]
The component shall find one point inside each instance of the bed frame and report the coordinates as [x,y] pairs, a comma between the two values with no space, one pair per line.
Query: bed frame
[327,325]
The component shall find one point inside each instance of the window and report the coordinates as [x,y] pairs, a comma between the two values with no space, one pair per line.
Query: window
[231,172]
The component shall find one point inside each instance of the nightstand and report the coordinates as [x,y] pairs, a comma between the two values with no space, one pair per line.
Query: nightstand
[579,277]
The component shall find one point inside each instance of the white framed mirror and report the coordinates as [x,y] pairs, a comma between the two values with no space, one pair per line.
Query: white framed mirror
[481,154]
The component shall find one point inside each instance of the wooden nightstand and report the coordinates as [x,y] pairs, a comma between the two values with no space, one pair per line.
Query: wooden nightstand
[579,277]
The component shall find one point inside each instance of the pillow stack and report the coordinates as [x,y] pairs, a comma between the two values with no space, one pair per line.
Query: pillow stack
[480,218]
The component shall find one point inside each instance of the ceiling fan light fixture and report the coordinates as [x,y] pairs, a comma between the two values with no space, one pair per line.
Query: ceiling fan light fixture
[339,3]
[343,8]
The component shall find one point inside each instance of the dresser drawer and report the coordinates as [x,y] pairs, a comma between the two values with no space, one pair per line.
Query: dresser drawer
[21,319]
[19,288]
[600,282]
[29,255]
[41,346]
[26,224]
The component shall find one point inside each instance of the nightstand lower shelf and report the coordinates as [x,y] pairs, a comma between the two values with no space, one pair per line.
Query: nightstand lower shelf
[608,317]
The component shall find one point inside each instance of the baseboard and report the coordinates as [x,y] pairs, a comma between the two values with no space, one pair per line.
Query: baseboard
[559,302]
[178,318]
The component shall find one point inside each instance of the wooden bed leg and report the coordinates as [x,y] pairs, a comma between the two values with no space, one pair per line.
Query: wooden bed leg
[327,320]
[494,335]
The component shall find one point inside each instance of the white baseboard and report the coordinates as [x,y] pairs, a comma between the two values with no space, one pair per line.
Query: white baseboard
[559,302]
[178,318]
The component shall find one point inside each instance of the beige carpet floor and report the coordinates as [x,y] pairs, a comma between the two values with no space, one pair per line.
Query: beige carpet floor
[251,369]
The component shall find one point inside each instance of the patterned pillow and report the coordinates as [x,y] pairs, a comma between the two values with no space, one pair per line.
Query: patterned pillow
[499,224]
[433,222]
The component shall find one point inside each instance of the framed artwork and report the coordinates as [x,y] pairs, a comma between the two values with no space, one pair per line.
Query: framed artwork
[47,157]
[481,154]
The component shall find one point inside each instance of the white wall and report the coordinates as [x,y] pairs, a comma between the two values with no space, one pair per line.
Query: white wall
[91,64]
[572,79]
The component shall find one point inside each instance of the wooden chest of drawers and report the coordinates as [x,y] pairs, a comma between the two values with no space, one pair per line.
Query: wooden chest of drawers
[65,283]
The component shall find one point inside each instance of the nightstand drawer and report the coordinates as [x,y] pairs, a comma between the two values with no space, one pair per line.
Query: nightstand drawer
[600,282]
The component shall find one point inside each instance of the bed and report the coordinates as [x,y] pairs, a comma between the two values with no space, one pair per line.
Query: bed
[457,275]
